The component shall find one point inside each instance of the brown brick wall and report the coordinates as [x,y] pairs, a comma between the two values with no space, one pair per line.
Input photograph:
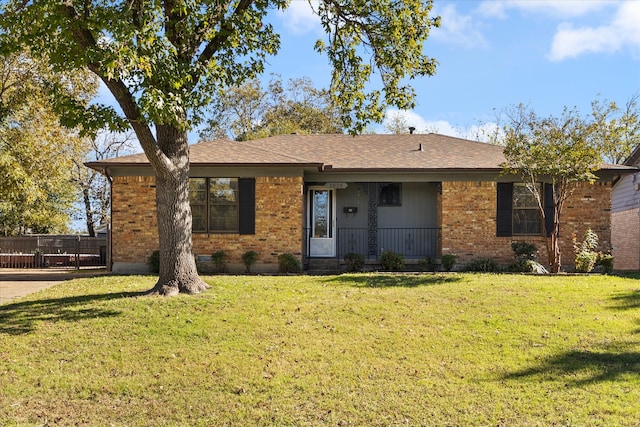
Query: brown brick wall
[625,237]
[469,222]
[279,222]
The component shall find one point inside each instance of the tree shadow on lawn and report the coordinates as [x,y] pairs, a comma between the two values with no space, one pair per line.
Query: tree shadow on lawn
[577,368]
[21,317]
[381,280]
[626,301]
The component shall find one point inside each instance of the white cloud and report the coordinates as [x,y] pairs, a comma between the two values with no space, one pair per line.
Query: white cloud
[457,28]
[555,8]
[482,132]
[571,41]
[299,18]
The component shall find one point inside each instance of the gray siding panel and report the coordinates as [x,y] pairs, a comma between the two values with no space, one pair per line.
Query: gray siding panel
[624,195]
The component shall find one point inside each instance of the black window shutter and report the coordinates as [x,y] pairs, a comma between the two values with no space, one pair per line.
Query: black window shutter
[247,205]
[505,207]
[549,208]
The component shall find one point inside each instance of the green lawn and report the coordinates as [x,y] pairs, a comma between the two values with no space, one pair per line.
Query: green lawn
[361,350]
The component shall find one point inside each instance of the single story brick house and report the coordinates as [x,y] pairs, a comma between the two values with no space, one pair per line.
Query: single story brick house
[319,197]
[625,217]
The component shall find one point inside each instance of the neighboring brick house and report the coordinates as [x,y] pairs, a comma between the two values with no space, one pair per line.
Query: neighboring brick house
[322,196]
[625,218]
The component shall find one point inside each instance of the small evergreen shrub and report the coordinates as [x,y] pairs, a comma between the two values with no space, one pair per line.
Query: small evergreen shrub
[219,260]
[154,262]
[586,257]
[392,261]
[606,262]
[482,265]
[248,259]
[448,261]
[427,264]
[526,255]
[354,261]
[289,263]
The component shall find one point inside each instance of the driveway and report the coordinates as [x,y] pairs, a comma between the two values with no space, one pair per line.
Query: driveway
[16,283]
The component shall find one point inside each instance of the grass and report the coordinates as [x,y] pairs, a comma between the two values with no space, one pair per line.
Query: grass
[362,349]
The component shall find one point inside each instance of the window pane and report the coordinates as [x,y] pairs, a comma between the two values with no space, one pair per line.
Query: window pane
[526,221]
[390,194]
[199,213]
[320,213]
[197,190]
[523,198]
[223,190]
[223,218]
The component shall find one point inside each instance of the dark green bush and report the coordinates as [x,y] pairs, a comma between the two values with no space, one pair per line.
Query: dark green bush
[482,265]
[427,264]
[219,260]
[248,259]
[606,262]
[448,261]
[154,262]
[392,261]
[354,261]
[289,263]
[525,250]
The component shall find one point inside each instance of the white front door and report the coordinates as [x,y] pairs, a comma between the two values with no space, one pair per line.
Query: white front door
[322,220]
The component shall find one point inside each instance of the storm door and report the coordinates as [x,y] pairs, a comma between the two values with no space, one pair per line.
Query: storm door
[322,222]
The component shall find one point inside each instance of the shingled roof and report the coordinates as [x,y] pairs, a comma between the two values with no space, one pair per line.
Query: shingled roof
[340,152]
[405,152]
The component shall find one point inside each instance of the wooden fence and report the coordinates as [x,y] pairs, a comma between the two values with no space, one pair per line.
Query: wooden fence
[44,251]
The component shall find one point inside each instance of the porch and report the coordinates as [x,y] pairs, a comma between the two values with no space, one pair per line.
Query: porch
[370,218]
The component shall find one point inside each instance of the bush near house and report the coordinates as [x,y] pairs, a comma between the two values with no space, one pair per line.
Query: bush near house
[288,263]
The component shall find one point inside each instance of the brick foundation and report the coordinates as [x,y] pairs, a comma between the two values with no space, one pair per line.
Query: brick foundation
[469,222]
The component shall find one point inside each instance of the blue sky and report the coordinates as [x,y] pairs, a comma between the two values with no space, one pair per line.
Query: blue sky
[495,54]
[498,53]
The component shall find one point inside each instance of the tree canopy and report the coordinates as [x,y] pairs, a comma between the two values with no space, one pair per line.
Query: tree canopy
[555,150]
[251,111]
[36,151]
[163,61]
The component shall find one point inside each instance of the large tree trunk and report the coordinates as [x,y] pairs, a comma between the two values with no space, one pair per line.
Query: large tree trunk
[177,264]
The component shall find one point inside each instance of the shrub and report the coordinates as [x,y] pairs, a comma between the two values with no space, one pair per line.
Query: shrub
[427,264]
[448,261]
[289,263]
[354,261]
[606,261]
[524,250]
[248,259]
[392,261]
[154,262]
[219,260]
[586,257]
[526,255]
[483,265]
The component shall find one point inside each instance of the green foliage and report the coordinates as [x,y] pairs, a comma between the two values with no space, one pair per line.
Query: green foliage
[354,261]
[36,152]
[526,255]
[482,265]
[427,264]
[448,261]
[616,129]
[288,263]
[219,259]
[392,261]
[557,150]
[248,259]
[586,256]
[249,111]
[154,262]
[605,260]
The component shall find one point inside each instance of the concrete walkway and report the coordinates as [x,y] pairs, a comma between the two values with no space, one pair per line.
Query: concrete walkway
[16,283]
